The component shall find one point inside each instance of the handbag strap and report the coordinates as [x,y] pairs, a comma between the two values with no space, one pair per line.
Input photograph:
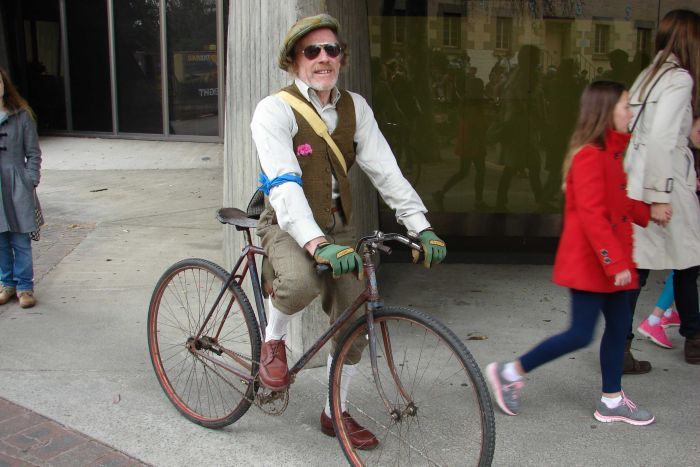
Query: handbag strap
[316,123]
[644,103]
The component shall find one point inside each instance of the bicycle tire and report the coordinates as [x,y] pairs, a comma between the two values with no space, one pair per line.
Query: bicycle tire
[203,392]
[452,416]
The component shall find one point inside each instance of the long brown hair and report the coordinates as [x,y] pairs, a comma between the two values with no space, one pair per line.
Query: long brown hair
[12,100]
[679,34]
[595,117]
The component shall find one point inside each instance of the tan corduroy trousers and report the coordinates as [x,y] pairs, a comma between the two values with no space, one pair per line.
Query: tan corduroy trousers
[295,283]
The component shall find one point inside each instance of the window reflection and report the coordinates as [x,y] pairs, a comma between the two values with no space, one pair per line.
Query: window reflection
[478,99]
[42,36]
[192,66]
[137,30]
[89,65]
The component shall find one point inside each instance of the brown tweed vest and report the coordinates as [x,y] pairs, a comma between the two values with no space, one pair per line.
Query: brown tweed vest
[318,166]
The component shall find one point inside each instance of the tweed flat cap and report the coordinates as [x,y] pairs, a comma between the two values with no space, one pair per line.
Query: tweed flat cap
[299,30]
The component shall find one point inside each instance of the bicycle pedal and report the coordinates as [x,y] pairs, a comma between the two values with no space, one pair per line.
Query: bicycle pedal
[272,402]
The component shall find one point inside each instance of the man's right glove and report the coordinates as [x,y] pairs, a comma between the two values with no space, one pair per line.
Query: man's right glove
[434,249]
[342,259]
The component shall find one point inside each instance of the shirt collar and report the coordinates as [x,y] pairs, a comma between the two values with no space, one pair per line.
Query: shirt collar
[670,59]
[310,94]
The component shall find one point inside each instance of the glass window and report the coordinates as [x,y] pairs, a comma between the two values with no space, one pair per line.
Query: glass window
[192,67]
[504,31]
[481,126]
[644,40]
[137,44]
[451,29]
[42,35]
[88,56]
[400,26]
[602,38]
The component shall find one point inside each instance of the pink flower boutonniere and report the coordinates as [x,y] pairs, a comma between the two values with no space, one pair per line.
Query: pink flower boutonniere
[304,150]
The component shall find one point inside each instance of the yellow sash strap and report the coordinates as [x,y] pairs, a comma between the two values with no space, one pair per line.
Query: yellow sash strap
[316,123]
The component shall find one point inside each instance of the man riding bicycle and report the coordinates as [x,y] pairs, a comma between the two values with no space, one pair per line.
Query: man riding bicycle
[306,220]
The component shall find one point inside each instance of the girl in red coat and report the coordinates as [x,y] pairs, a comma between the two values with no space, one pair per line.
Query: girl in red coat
[594,258]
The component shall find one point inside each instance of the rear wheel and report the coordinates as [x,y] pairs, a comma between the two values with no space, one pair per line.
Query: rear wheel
[192,370]
[439,410]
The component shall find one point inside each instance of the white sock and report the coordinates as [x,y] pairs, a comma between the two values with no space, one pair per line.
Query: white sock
[668,312]
[611,402]
[348,372]
[653,320]
[277,323]
[510,373]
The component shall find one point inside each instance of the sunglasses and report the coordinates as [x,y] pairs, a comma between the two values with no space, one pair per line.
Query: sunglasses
[333,49]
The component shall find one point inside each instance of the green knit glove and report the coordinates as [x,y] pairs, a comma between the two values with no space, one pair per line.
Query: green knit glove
[434,249]
[342,259]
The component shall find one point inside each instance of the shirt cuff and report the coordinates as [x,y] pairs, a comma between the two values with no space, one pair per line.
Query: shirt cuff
[415,222]
[304,232]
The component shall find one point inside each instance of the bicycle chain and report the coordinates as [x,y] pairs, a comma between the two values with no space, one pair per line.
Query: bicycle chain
[261,398]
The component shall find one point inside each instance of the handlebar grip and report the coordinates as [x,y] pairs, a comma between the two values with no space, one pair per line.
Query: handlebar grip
[321,268]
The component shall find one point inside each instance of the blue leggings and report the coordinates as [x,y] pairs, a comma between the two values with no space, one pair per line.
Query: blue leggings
[666,298]
[585,307]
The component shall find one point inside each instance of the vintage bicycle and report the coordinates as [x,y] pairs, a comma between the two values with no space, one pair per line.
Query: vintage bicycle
[417,388]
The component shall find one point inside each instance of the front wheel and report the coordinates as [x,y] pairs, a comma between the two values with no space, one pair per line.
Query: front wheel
[439,410]
[192,367]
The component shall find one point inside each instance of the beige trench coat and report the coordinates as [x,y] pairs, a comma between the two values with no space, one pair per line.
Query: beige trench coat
[659,153]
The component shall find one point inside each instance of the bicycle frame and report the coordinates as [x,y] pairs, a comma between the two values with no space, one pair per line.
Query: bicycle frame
[369,297]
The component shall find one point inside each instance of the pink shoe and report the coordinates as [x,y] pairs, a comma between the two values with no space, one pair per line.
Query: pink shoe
[655,333]
[673,320]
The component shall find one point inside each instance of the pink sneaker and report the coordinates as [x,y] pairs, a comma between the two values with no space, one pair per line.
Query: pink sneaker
[673,320]
[655,333]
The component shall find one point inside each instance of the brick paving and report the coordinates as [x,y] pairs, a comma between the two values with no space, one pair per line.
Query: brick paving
[30,439]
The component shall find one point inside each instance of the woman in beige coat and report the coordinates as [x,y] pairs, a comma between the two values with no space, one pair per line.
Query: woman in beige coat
[665,98]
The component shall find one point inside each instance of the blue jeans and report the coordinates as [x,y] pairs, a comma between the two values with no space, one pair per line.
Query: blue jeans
[16,266]
[585,308]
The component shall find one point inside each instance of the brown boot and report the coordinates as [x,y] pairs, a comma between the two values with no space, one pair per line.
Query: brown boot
[632,366]
[273,373]
[692,349]
[7,294]
[26,298]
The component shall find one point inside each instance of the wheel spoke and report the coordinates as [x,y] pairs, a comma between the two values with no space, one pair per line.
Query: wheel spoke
[445,426]
[200,389]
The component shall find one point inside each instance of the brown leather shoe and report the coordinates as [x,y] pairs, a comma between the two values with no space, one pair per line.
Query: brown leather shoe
[274,373]
[632,366]
[692,349]
[7,294]
[360,436]
[26,299]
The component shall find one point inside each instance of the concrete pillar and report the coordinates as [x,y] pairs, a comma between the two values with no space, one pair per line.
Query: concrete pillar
[256,31]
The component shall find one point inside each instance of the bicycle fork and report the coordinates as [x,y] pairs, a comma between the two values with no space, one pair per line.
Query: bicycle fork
[375,303]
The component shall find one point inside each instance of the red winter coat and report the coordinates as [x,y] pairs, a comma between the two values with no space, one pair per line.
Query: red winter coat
[596,242]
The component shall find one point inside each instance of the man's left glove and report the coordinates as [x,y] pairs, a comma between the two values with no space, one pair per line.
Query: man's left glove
[434,249]
[341,259]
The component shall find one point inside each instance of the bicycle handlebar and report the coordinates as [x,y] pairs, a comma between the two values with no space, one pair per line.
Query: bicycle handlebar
[376,242]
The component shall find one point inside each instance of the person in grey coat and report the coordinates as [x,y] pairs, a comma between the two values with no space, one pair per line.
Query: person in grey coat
[20,165]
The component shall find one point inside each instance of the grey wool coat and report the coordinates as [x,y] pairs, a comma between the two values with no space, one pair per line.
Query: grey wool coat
[20,165]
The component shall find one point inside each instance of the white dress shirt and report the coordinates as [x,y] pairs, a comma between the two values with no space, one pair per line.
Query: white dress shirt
[274,126]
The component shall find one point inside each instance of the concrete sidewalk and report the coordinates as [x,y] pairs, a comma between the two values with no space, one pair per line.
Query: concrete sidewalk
[119,212]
